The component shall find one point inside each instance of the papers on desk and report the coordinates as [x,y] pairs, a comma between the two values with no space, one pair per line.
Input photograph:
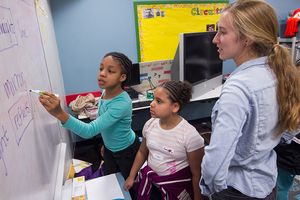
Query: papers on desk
[104,188]
[80,165]
[214,93]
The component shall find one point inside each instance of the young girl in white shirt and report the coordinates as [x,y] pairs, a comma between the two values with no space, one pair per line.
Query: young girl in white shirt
[172,147]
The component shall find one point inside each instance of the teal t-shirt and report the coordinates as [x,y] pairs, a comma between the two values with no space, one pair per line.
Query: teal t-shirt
[113,123]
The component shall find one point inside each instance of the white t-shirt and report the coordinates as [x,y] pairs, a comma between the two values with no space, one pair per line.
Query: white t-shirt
[168,148]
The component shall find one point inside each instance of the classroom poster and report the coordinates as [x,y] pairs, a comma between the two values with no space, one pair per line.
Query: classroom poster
[159,24]
[153,74]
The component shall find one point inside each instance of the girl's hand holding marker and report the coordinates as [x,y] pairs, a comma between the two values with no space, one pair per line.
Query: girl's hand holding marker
[51,102]
[41,92]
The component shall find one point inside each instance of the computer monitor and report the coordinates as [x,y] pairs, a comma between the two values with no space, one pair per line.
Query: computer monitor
[135,76]
[197,61]
[134,79]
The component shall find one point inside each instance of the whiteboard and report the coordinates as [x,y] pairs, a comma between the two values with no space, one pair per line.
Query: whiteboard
[30,139]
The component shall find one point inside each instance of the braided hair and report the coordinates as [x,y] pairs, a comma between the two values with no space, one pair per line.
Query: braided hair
[125,62]
[179,92]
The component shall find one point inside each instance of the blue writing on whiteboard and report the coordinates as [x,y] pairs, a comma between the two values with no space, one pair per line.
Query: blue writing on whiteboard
[8,37]
[15,84]
[3,145]
[20,116]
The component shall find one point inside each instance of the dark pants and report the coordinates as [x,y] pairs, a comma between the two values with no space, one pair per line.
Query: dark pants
[120,161]
[232,194]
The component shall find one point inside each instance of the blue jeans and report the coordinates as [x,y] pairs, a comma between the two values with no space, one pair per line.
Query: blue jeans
[284,182]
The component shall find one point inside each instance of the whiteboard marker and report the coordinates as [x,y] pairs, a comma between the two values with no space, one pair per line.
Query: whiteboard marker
[41,92]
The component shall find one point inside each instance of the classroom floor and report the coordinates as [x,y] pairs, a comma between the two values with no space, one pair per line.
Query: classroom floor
[89,151]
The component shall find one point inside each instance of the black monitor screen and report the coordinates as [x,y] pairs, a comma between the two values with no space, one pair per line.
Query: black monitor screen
[135,75]
[201,58]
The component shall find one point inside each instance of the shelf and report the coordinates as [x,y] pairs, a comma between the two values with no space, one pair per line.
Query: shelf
[291,44]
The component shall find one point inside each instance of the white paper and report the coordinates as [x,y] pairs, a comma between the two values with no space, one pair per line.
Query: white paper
[104,188]
[80,165]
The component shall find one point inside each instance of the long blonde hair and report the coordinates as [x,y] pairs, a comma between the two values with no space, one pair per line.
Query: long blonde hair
[256,20]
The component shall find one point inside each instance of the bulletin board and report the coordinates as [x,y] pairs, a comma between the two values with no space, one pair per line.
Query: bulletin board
[159,24]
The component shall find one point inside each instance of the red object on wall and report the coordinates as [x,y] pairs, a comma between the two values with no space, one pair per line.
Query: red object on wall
[292,24]
[72,97]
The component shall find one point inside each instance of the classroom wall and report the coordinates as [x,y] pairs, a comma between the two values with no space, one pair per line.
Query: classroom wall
[86,30]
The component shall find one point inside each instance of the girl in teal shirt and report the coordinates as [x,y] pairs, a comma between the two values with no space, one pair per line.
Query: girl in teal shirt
[115,112]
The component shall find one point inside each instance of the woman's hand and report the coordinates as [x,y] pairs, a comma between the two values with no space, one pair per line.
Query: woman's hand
[52,104]
[128,183]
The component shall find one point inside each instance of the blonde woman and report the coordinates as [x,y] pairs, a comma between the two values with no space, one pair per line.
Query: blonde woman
[259,101]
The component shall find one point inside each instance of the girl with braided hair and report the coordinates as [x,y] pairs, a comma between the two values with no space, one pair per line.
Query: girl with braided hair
[259,101]
[114,115]
[171,146]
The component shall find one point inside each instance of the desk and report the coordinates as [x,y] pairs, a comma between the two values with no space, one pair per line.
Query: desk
[92,192]
[197,108]
[213,94]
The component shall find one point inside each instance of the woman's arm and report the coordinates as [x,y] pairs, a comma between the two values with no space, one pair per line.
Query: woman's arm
[195,159]
[139,160]
[230,117]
